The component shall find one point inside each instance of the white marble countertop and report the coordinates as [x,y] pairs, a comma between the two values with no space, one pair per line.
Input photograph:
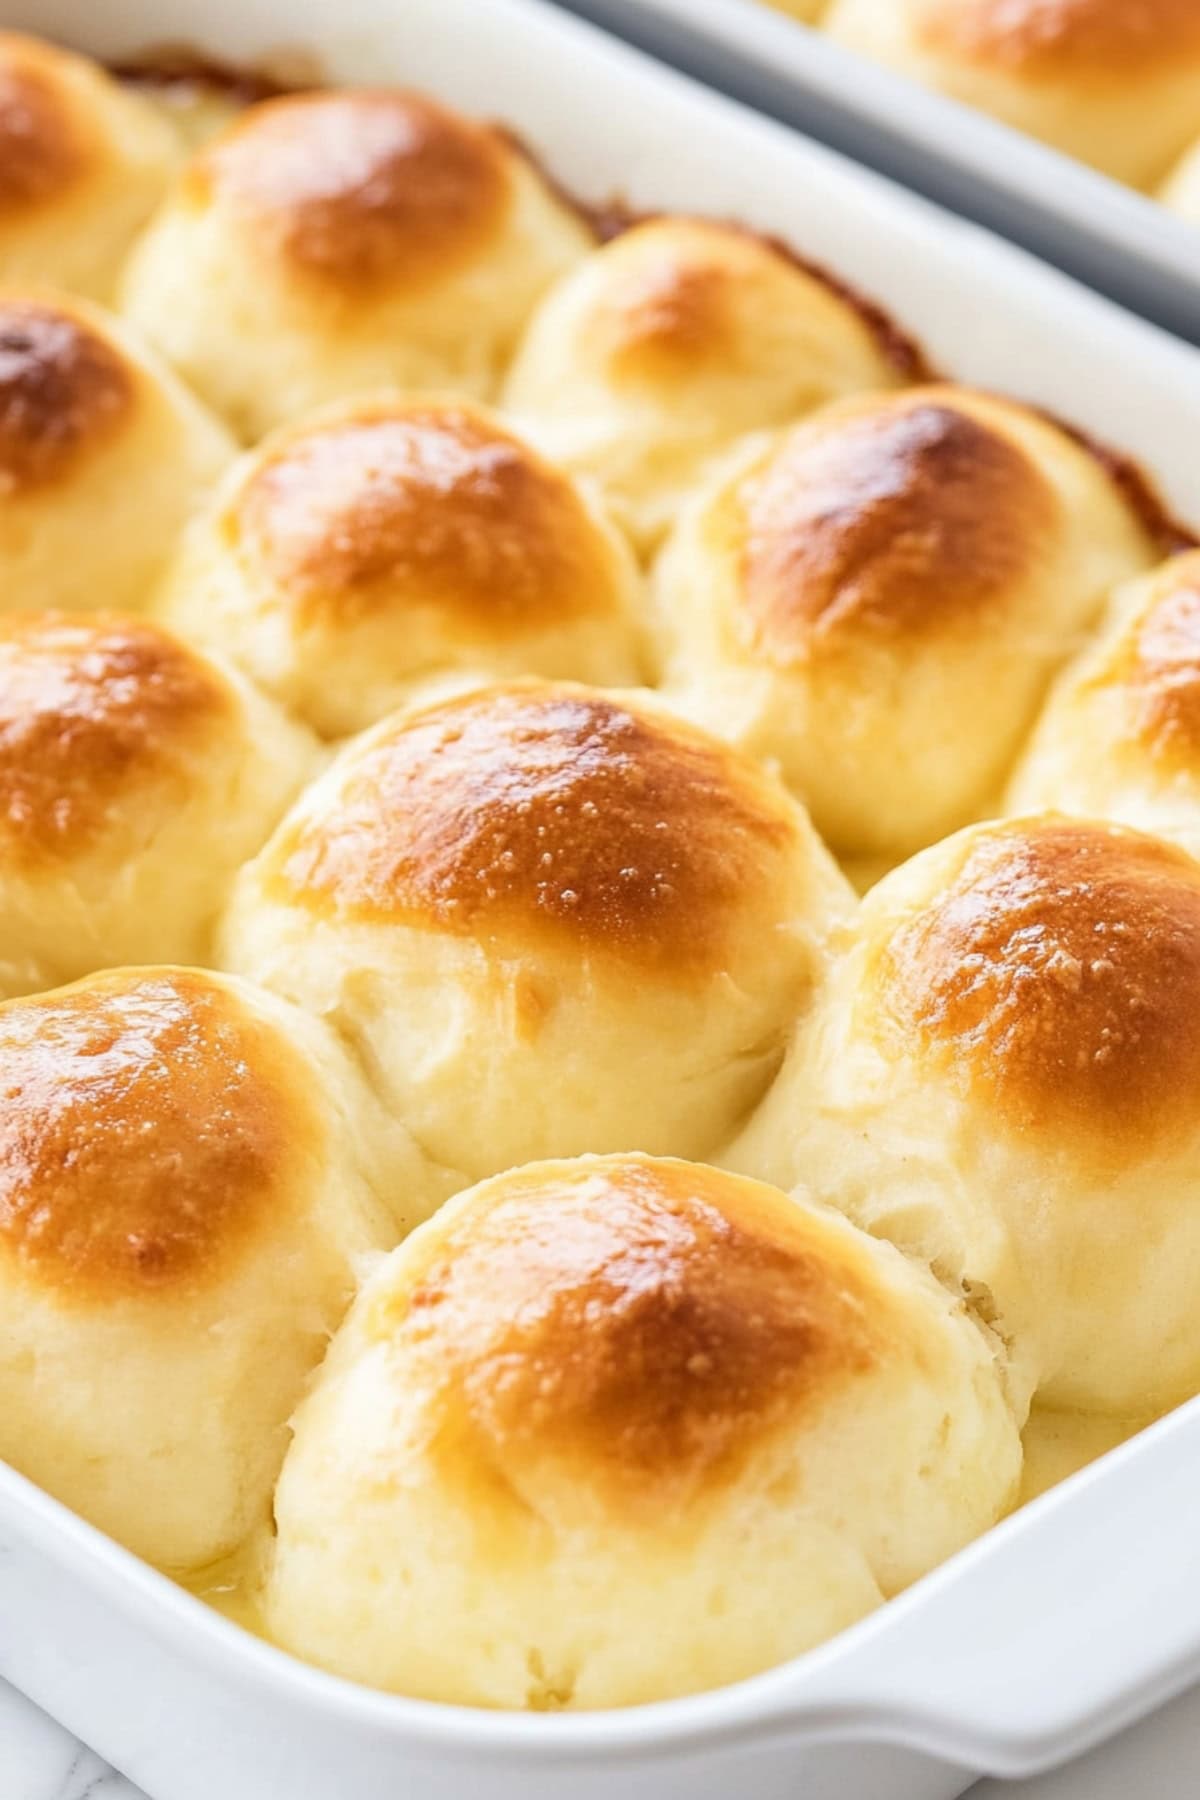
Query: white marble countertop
[1161,1759]
[41,1761]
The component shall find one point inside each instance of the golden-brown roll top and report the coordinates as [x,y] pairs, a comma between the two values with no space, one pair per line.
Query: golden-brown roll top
[181,1208]
[999,1077]
[1101,40]
[336,241]
[645,363]
[45,146]
[877,597]
[676,317]
[92,708]
[136,774]
[354,191]
[907,519]
[531,813]
[1056,981]
[82,163]
[502,891]
[391,541]
[1161,666]
[1119,737]
[652,1320]
[66,392]
[582,1372]
[151,1128]
[340,513]
[1114,84]
[103,455]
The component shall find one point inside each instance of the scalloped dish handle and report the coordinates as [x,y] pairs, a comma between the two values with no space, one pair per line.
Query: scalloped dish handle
[1012,1658]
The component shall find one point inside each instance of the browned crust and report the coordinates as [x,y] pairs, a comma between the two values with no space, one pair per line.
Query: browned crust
[1064,40]
[424,505]
[900,519]
[150,1129]
[92,711]
[1156,664]
[1057,980]
[897,346]
[46,149]
[648,1320]
[528,811]
[360,189]
[65,393]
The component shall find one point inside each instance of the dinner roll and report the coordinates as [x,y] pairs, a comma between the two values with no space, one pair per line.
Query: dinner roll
[1001,1076]
[331,242]
[392,540]
[181,1216]
[649,359]
[549,919]
[1113,83]
[83,162]
[613,1430]
[136,776]
[103,454]
[1120,735]
[877,598]
[1182,191]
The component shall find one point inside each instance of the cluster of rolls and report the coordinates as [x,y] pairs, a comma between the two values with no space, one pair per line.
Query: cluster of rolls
[1113,84]
[444,662]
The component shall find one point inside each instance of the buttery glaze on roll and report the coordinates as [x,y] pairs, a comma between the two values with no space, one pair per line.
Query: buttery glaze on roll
[878,597]
[103,455]
[1113,83]
[338,241]
[1001,1076]
[83,163]
[551,920]
[1120,734]
[393,540]
[136,776]
[647,361]
[181,1215]
[609,1431]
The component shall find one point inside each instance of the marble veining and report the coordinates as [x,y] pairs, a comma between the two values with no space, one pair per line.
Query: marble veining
[41,1761]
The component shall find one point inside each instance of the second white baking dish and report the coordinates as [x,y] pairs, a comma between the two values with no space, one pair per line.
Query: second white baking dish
[1099,230]
[1063,1625]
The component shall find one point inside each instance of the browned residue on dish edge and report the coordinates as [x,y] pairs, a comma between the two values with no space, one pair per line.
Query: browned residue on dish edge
[1168,533]
[180,66]
[290,71]
[175,66]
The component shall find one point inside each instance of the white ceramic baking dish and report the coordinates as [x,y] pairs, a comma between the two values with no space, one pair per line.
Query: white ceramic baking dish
[1097,229]
[1073,1618]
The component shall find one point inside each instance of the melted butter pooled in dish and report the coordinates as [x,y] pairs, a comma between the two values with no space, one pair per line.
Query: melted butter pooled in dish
[1058,1445]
